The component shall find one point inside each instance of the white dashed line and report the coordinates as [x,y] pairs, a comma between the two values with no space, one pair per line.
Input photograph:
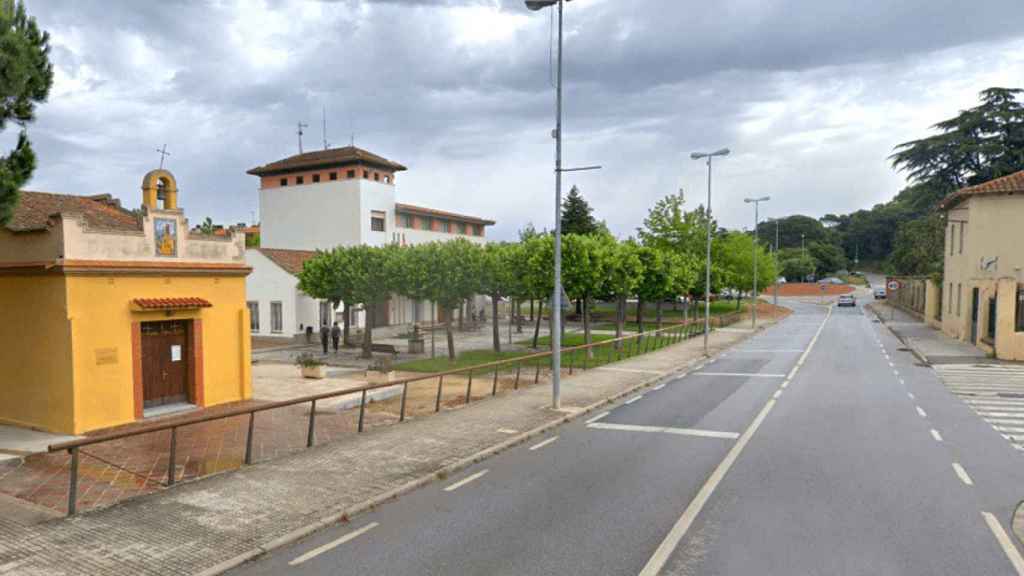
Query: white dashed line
[598,417]
[633,399]
[665,430]
[910,395]
[333,544]
[544,443]
[777,394]
[921,412]
[743,374]
[1004,541]
[936,435]
[508,431]
[464,481]
[658,387]
[962,474]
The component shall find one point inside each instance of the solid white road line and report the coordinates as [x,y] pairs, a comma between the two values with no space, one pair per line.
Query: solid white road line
[777,394]
[598,417]
[1004,541]
[679,529]
[544,443]
[333,544]
[936,435]
[658,387]
[631,370]
[744,374]
[762,350]
[464,481]
[665,430]
[633,399]
[962,474]
[508,431]
[921,412]
[910,395]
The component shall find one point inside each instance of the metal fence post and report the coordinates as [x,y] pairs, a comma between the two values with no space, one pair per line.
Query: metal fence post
[519,366]
[311,433]
[469,386]
[170,460]
[440,385]
[362,409]
[494,386]
[248,438]
[536,374]
[73,483]
[405,391]
[571,356]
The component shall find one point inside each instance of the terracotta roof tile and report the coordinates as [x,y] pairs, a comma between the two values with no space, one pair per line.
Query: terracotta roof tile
[101,212]
[325,158]
[171,303]
[290,261]
[1009,184]
[441,213]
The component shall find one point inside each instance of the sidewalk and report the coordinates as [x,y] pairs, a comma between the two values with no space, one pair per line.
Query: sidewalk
[207,526]
[929,344]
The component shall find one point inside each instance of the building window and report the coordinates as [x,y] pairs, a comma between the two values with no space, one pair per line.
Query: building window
[333,175]
[254,316]
[350,174]
[299,179]
[284,181]
[461,227]
[387,179]
[425,223]
[963,230]
[316,178]
[478,230]
[949,299]
[952,238]
[276,319]
[446,226]
[376,176]
[1019,315]
[406,220]
[376,223]
[959,293]
[366,174]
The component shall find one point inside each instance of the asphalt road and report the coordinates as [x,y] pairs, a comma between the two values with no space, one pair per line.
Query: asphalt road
[815,447]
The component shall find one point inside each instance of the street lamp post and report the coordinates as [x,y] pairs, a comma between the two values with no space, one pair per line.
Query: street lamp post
[775,296]
[707,266]
[753,306]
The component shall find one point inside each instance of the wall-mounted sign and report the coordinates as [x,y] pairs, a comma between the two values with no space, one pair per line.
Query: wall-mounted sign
[176,353]
[166,234]
[894,285]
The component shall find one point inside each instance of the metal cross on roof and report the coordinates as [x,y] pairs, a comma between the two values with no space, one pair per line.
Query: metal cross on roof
[163,154]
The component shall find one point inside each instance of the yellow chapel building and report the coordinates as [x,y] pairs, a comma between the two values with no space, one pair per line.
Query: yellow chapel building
[113,315]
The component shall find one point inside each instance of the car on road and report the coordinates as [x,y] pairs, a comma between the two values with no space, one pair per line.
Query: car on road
[879,293]
[847,300]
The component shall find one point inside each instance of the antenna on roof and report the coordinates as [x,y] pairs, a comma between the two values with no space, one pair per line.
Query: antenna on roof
[163,154]
[324,116]
[301,126]
[352,130]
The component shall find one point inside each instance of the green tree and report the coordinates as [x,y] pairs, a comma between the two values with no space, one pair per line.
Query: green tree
[498,279]
[828,257]
[794,266]
[413,271]
[457,273]
[371,273]
[737,253]
[326,276]
[624,274]
[27,76]
[577,215]
[585,261]
[207,227]
[537,273]
[917,249]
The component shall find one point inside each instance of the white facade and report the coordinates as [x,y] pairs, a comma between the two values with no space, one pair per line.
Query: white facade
[416,236]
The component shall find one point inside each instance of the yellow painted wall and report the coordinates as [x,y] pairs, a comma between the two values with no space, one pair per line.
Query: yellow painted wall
[101,315]
[35,353]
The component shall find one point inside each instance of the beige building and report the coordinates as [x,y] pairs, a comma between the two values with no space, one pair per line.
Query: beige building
[982,292]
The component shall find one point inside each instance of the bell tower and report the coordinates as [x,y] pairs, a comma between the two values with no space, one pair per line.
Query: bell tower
[159,190]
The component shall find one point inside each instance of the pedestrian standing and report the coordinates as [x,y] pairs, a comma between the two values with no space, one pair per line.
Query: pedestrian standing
[324,333]
[335,336]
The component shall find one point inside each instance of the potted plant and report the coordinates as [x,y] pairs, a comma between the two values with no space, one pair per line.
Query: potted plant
[310,366]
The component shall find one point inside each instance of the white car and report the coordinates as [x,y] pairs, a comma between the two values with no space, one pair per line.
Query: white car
[847,300]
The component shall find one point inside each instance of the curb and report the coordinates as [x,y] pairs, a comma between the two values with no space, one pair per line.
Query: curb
[344,514]
[913,350]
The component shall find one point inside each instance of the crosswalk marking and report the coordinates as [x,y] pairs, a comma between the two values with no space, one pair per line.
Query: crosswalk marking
[994,392]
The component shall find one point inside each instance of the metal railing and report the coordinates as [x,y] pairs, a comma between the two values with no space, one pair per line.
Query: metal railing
[579,357]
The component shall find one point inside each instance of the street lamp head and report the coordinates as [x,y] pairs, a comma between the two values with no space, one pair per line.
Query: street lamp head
[701,155]
[761,199]
[539,4]
[721,152]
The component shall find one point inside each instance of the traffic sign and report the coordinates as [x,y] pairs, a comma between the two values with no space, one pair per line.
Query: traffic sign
[894,285]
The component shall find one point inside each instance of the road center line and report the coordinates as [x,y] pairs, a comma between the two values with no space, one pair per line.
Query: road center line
[936,435]
[962,474]
[678,531]
[665,430]
[910,395]
[744,374]
[658,387]
[464,481]
[333,544]
[633,399]
[921,412]
[598,417]
[1004,541]
[544,443]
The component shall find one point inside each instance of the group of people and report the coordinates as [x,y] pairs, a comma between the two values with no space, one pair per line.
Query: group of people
[333,333]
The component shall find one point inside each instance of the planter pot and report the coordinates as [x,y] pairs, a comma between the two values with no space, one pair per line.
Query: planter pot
[314,372]
[377,376]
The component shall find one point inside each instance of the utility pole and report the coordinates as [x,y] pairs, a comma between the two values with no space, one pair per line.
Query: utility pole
[324,128]
[775,296]
[754,300]
[707,266]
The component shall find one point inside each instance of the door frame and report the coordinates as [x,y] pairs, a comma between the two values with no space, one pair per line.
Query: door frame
[195,389]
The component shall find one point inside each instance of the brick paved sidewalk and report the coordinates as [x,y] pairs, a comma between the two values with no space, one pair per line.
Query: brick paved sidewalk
[200,525]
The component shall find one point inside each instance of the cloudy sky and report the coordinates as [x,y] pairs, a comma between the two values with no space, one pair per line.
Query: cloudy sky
[811,96]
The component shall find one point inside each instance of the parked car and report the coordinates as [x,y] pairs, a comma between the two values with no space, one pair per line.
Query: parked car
[880,293]
[781,280]
[847,300]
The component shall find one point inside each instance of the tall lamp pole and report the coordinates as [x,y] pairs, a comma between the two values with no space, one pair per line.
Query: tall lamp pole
[753,305]
[707,265]
[775,296]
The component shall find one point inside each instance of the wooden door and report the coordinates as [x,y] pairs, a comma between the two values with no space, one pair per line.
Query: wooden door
[974,316]
[165,362]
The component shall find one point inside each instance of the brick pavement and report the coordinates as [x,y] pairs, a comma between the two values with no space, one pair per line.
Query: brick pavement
[198,525]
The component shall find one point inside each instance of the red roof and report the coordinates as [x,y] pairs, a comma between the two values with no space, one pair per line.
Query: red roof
[441,214]
[325,159]
[290,261]
[101,212]
[1009,184]
[171,303]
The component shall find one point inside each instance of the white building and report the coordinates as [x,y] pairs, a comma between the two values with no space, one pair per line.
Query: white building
[328,198]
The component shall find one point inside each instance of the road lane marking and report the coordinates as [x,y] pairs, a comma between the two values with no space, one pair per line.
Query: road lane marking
[910,395]
[633,399]
[777,394]
[1004,542]
[744,374]
[508,431]
[544,443]
[631,370]
[665,430]
[763,350]
[921,412]
[658,387]
[784,384]
[936,435]
[598,417]
[679,529]
[464,481]
[962,474]
[333,544]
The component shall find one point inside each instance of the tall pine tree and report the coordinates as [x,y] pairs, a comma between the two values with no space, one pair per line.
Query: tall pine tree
[27,76]
[577,215]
